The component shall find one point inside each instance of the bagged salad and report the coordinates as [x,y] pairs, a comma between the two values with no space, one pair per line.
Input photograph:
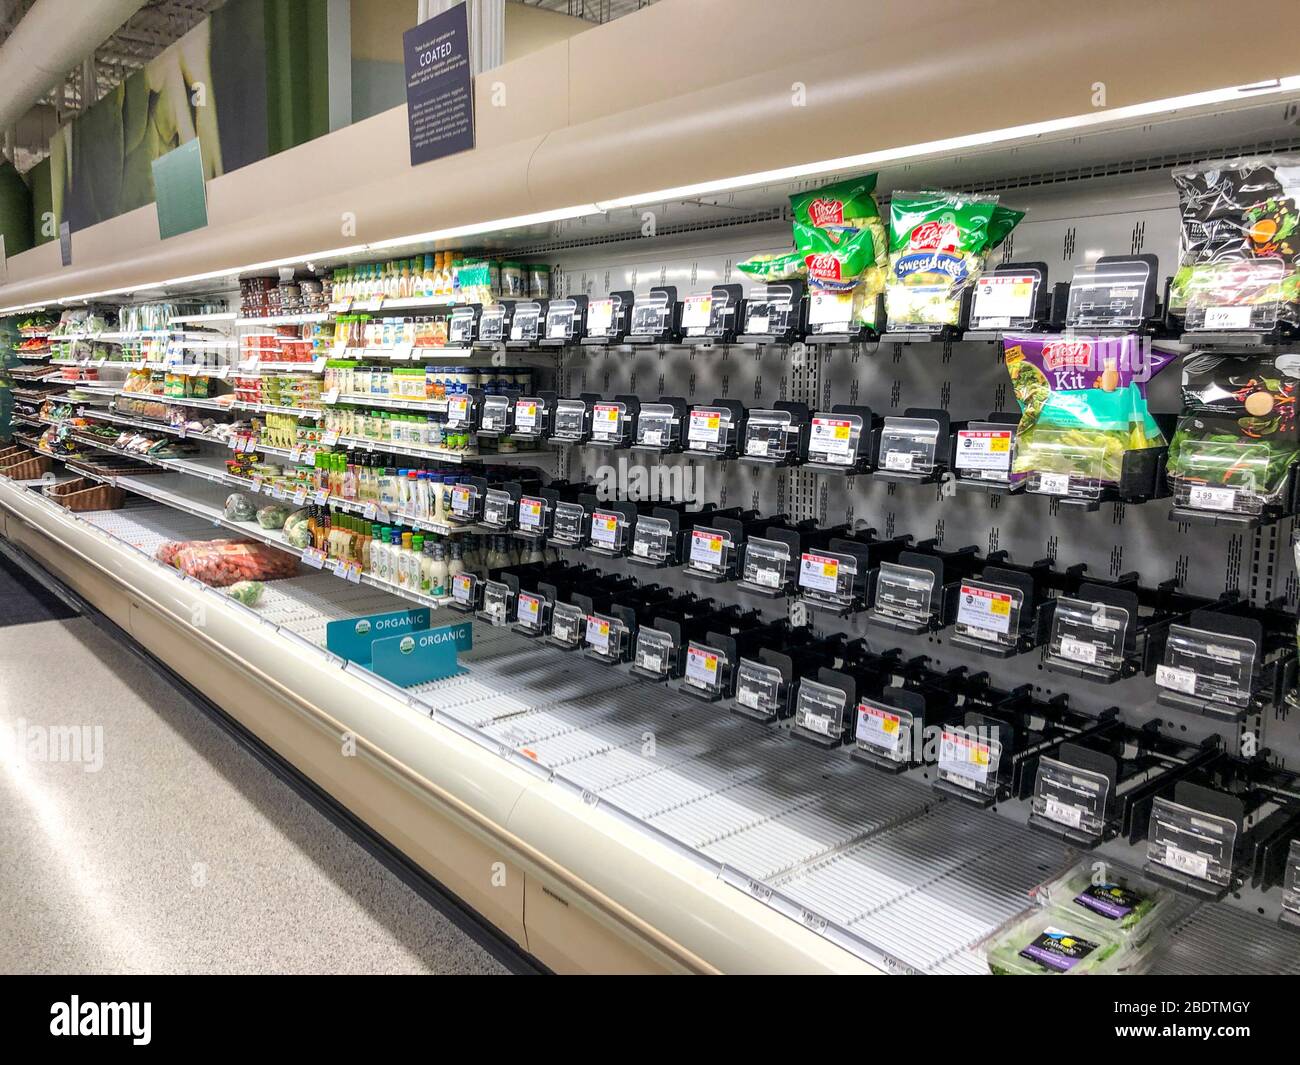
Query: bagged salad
[840,244]
[297,530]
[938,244]
[1237,435]
[1083,403]
[272,516]
[240,507]
[1239,254]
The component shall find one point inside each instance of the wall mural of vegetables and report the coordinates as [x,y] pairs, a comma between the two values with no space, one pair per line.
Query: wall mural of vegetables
[216,83]
[1238,428]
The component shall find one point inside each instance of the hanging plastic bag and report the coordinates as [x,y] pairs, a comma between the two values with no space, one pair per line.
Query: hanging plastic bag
[1083,403]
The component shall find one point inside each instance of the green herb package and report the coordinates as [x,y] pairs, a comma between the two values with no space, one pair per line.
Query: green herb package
[1239,255]
[1083,403]
[1236,441]
[938,244]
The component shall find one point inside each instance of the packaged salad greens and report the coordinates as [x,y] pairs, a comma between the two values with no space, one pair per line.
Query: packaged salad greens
[1047,942]
[272,516]
[938,244]
[840,243]
[1236,441]
[240,507]
[247,592]
[1239,255]
[1083,403]
[1121,904]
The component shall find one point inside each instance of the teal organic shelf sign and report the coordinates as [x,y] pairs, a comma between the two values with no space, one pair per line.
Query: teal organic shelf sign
[179,191]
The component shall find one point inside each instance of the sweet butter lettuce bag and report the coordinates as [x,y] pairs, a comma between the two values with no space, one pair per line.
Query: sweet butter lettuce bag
[1083,403]
[937,244]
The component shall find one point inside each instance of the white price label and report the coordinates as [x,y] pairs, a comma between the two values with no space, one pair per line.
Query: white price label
[313,557]
[830,308]
[603,528]
[984,449]
[878,727]
[1063,813]
[1205,497]
[984,608]
[705,427]
[1083,651]
[706,548]
[600,317]
[819,572]
[526,413]
[831,436]
[1002,297]
[1227,318]
[530,513]
[696,311]
[527,609]
[322,496]
[702,667]
[1054,484]
[767,577]
[823,724]
[604,419]
[598,633]
[1197,865]
[899,460]
[1176,678]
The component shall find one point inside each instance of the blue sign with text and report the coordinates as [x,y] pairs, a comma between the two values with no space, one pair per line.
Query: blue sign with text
[439,89]
[354,638]
[422,656]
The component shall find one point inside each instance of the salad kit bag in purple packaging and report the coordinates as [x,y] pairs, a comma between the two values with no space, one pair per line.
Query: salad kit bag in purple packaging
[1083,407]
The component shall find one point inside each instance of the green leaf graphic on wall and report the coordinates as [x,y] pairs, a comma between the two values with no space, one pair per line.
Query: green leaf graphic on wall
[211,84]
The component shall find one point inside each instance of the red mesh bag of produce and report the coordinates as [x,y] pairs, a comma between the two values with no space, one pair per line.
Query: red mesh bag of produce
[222,563]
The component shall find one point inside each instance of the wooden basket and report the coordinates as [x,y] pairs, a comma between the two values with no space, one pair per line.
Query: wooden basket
[27,466]
[85,494]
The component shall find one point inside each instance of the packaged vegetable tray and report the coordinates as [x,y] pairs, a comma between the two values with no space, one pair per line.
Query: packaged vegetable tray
[220,563]
[1237,433]
[1083,403]
[1117,903]
[1049,942]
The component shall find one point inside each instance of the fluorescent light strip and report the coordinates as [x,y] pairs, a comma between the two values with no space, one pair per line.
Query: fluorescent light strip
[973,140]
[1236,93]
[480,228]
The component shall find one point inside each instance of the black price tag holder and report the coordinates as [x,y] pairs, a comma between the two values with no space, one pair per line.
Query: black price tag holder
[984,453]
[533,416]
[714,317]
[774,314]
[607,319]
[656,317]
[777,437]
[915,447]
[824,707]
[1012,298]
[660,426]
[527,325]
[918,593]
[565,322]
[495,324]
[1117,293]
[843,440]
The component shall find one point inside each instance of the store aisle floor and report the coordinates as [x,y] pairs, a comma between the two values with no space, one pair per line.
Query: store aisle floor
[165,846]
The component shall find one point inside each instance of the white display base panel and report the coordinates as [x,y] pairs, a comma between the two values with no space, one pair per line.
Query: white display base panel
[881,864]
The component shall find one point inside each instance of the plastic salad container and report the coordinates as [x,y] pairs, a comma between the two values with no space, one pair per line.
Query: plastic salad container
[1049,942]
[1123,905]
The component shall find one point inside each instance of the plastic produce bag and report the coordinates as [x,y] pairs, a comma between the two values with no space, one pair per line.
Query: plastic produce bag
[1238,429]
[272,516]
[937,242]
[1083,403]
[240,507]
[247,592]
[842,209]
[220,563]
[297,530]
[1240,242]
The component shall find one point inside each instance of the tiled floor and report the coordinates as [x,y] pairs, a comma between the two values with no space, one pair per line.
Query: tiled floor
[167,847]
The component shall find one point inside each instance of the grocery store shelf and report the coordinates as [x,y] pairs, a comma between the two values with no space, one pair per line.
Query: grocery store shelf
[1218,940]
[285,319]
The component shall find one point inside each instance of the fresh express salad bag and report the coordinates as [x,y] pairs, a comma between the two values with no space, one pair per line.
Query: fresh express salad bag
[839,250]
[1239,265]
[1083,408]
[938,245]
[1236,440]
